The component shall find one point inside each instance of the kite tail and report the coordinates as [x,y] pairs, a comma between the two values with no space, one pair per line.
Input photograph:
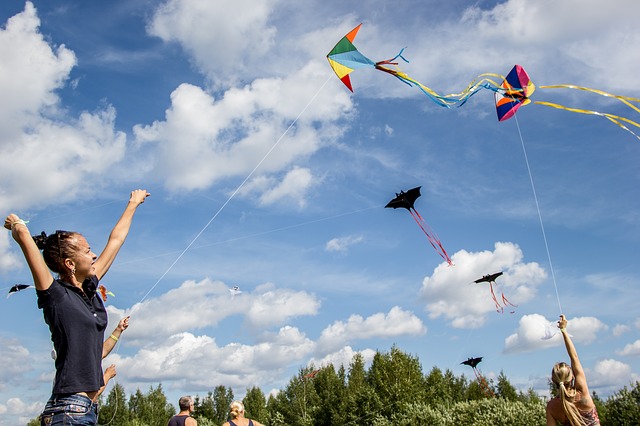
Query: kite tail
[613,118]
[483,384]
[499,308]
[431,236]
[506,302]
[624,99]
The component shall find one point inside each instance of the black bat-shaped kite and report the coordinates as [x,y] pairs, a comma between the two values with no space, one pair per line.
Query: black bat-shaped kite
[18,287]
[491,279]
[473,363]
[406,200]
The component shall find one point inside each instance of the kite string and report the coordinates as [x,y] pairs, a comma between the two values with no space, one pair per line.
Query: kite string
[235,192]
[535,197]
[221,208]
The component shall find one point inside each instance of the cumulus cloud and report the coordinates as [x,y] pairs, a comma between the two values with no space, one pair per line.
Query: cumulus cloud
[234,364]
[209,31]
[396,323]
[248,133]
[37,138]
[343,358]
[611,373]
[342,244]
[466,305]
[620,329]
[533,333]
[632,349]
[15,355]
[208,303]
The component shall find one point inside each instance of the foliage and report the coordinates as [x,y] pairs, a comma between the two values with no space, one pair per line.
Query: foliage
[392,392]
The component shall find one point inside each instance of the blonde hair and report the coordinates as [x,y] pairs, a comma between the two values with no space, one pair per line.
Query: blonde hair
[235,409]
[562,377]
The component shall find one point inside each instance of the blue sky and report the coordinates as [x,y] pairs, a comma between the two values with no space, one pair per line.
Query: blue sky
[268,174]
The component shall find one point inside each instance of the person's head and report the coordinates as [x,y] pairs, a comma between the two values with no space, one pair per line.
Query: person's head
[67,254]
[185,403]
[562,375]
[562,378]
[236,409]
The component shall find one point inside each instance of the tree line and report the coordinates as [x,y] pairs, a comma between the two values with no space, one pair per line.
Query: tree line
[393,391]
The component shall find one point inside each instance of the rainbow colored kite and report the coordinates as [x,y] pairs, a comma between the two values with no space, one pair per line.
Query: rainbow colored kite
[344,58]
[513,92]
[517,87]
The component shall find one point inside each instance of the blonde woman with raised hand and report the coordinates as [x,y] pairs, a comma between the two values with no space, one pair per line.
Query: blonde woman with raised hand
[572,404]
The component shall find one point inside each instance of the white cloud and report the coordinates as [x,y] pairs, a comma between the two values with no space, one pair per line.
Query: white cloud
[610,373]
[632,349]
[246,133]
[532,330]
[234,364]
[451,292]
[343,358]
[15,355]
[8,259]
[217,35]
[293,186]
[209,303]
[24,411]
[396,323]
[620,329]
[36,137]
[342,244]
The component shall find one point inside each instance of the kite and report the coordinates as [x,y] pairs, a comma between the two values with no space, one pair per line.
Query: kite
[311,375]
[235,290]
[345,58]
[473,363]
[406,200]
[104,292]
[18,287]
[491,279]
[517,87]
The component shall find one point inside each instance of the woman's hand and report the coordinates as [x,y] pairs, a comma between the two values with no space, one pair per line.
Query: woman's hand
[562,323]
[123,324]
[138,196]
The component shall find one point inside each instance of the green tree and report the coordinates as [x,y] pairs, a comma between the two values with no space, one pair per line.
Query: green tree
[255,404]
[623,407]
[504,389]
[152,408]
[396,378]
[330,388]
[114,410]
[204,407]
[222,399]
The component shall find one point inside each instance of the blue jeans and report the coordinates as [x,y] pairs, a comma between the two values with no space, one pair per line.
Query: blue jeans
[62,410]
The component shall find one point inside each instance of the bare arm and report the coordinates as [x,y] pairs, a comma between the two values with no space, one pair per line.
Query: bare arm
[42,277]
[110,342]
[109,374]
[119,233]
[578,372]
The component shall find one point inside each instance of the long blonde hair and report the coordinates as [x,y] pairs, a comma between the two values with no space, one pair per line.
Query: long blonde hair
[235,409]
[562,377]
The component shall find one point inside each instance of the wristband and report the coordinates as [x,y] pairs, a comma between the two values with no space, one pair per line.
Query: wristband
[113,337]
[22,222]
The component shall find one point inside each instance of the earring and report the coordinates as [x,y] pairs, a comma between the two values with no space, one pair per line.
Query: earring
[73,270]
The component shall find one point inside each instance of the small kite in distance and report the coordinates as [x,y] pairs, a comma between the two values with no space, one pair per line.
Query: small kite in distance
[18,287]
[406,200]
[473,363]
[235,290]
[311,375]
[104,292]
[491,279]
